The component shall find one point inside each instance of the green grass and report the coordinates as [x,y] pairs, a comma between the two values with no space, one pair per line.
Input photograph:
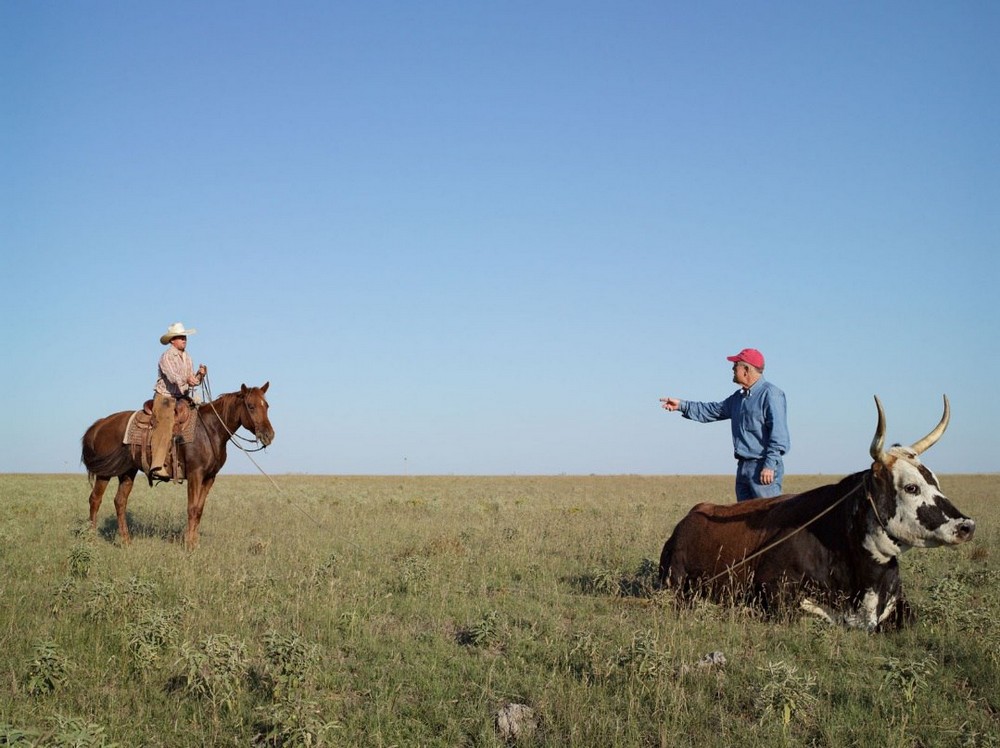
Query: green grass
[378,611]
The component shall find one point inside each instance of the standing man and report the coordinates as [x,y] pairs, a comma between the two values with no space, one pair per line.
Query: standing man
[175,376]
[756,413]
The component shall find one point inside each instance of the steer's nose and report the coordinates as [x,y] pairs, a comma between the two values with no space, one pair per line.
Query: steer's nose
[965,530]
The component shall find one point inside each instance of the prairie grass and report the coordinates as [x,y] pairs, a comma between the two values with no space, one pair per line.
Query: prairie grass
[409,611]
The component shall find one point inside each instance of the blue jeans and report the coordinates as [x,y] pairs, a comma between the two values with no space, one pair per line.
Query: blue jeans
[748,485]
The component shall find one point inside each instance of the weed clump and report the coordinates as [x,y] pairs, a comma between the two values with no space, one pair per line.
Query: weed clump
[785,693]
[150,637]
[48,670]
[214,669]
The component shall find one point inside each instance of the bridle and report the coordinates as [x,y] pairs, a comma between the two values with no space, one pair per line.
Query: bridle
[233,437]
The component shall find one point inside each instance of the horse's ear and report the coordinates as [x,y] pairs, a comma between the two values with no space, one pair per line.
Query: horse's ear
[266,385]
[243,389]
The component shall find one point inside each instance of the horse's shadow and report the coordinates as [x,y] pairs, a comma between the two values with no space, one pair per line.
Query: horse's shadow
[163,528]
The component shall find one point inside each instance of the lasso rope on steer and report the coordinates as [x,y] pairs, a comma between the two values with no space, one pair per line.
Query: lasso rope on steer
[207,390]
[782,539]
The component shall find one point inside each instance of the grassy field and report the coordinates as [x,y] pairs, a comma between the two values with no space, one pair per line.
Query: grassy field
[391,611]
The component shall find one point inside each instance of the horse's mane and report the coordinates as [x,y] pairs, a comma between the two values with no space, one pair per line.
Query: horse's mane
[218,406]
[224,397]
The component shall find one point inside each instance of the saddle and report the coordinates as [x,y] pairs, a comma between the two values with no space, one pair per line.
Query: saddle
[139,432]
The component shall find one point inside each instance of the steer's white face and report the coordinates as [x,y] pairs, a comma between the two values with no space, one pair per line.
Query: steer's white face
[923,516]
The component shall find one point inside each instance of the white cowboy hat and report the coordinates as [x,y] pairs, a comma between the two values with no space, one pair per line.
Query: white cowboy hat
[176,330]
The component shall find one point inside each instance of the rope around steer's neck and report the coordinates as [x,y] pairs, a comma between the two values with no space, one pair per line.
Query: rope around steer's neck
[779,541]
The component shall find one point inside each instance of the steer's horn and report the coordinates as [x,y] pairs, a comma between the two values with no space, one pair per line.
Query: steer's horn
[879,441]
[929,440]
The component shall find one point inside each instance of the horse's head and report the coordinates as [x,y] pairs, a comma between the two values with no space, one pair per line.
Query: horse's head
[254,414]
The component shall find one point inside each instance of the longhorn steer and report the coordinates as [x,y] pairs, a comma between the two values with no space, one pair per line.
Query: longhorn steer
[835,548]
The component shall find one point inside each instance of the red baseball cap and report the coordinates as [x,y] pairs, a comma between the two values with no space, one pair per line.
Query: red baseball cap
[749,356]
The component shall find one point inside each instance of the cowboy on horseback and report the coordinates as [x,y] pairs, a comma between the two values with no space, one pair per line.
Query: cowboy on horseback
[175,377]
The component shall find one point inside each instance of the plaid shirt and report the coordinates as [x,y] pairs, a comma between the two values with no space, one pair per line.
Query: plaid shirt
[174,370]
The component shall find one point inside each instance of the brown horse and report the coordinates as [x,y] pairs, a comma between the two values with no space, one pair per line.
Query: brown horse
[106,457]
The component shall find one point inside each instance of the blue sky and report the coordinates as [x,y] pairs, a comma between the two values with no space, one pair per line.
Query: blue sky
[487,237]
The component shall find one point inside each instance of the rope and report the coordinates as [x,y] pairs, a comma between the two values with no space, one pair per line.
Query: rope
[779,541]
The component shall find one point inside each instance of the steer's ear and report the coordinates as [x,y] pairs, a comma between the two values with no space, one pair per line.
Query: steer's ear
[882,473]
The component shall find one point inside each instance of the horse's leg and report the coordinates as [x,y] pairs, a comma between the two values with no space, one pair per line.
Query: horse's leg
[198,488]
[96,495]
[125,482]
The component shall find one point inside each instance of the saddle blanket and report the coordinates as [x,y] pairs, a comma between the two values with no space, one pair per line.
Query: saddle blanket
[140,423]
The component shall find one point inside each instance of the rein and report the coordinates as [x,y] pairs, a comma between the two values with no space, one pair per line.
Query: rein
[779,541]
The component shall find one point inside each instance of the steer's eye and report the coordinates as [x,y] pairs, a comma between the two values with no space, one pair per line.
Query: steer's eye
[912,489]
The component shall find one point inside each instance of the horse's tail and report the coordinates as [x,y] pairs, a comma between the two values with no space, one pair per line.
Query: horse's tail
[103,453]
[107,465]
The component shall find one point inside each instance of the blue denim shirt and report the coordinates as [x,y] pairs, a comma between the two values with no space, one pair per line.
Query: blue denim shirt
[758,421]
